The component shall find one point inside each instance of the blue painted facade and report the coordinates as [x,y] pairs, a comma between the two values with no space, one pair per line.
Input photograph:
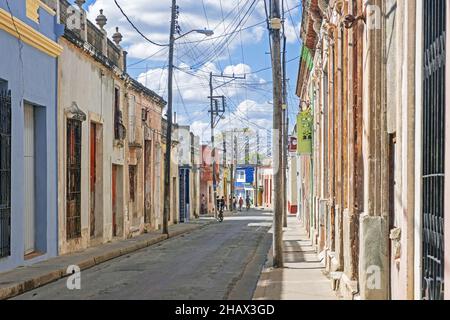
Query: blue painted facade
[185,195]
[244,187]
[31,76]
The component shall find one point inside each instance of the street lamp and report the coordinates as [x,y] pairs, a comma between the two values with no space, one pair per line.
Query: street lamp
[165,227]
[205,32]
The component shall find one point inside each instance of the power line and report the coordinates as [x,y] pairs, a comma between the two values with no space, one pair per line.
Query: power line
[145,59]
[265,21]
[293,25]
[181,98]
[204,11]
[227,34]
[137,30]
[217,50]
[197,43]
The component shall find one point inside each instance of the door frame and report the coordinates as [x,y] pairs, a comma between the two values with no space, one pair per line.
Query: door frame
[29,251]
[93,177]
[447,164]
[418,155]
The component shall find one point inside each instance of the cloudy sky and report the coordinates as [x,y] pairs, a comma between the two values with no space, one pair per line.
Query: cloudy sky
[240,46]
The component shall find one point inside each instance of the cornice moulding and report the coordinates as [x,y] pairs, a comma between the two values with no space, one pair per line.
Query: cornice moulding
[28,35]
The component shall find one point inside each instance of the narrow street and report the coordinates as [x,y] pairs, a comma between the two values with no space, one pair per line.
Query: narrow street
[221,261]
[125,126]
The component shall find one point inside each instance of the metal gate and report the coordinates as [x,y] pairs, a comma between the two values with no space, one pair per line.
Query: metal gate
[5,173]
[433,150]
[73,227]
[182,182]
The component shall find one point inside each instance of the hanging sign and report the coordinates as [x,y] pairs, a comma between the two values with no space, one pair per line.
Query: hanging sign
[293,141]
[304,132]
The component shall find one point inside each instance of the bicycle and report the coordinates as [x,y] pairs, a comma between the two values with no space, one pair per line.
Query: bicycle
[220,216]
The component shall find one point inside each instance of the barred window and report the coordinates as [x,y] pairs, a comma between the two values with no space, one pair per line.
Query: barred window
[5,173]
[132,172]
[73,228]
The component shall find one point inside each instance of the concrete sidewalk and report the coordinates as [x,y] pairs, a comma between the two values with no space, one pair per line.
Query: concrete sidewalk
[302,277]
[23,279]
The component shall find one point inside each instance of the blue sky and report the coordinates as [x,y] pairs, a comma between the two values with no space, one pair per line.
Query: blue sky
[249,100]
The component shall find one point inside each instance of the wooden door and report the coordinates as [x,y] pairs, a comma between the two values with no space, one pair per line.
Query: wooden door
[148,181]
[114,200]
[93,155]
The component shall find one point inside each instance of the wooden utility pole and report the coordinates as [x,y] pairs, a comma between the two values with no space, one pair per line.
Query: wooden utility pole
[225,177]
[258,163]
[235,157]
[285,131]
[213,149]
[166,212]
[275,26]
[215,111]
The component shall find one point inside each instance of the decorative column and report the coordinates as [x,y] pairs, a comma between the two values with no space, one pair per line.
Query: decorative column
[101,22]
[373,257]
[117,38]
[83,19]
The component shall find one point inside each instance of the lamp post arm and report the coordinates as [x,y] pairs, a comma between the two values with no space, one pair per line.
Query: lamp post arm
[184,34]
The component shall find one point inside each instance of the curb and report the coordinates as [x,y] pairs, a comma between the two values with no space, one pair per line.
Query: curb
[23,286]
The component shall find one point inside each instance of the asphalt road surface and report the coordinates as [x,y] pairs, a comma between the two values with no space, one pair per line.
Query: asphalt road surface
[219,262]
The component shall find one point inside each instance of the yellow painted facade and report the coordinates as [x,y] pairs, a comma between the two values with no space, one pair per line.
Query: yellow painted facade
[28,35]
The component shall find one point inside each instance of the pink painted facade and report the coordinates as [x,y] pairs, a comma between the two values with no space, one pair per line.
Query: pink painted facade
[206,177]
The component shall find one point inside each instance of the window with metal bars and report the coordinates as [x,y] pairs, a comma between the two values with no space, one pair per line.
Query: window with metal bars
[73,218]
[119,128]
[433,144]
[132,173]
[5,173]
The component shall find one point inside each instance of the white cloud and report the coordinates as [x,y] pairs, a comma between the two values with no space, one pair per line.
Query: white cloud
[153,20]
[194,84]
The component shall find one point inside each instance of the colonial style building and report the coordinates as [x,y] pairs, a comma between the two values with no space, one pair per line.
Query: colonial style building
[28,152]
[372,82]
[109,129]
[174,175]
[145,165]
[206,177]
[189,175]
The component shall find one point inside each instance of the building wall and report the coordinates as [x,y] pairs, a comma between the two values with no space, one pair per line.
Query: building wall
[403,114]
[196,194]
[91,86]
[368,146]
[268,188]
[29,71]
[174,187]
[292,185]
[147,134]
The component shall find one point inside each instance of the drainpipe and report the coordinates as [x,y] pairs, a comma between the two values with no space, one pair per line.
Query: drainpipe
[125,53]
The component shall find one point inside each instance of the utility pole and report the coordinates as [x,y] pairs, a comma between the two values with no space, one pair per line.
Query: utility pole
[166,212]
[275,26]
[258,163]
[213,150]
[233,166]
[215,111]
[247,148]
[225,190]
[285,127]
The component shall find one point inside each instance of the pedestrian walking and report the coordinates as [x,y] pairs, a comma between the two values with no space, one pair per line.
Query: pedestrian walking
[203,205]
